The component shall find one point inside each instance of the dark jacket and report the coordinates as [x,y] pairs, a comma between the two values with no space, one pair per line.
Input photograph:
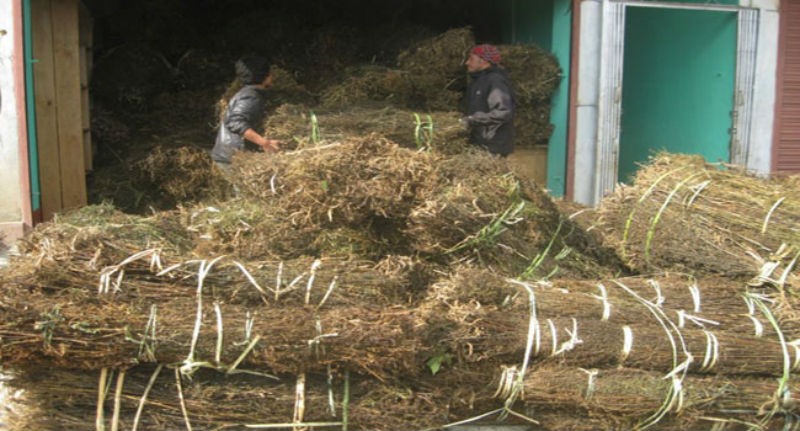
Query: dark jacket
[246,110]
[490,110]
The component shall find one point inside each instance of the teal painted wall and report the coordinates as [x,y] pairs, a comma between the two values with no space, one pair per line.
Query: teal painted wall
[678,83]
[548,24]
[559,113]
[528,21]
[722,2]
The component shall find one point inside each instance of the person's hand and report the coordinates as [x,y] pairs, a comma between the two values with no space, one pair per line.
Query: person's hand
[464,121]
[271,145]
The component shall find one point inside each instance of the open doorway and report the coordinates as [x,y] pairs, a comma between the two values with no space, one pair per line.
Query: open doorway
[679,77]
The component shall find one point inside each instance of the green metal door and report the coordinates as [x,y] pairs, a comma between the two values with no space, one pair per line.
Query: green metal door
[678,84]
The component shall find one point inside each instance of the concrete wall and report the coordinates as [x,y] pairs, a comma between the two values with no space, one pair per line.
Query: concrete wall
[759,157]
[12,162]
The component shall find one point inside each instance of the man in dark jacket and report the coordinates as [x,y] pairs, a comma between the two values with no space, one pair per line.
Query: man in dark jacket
[490,101]
[245,113]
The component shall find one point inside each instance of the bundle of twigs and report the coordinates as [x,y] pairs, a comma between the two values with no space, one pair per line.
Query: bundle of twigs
[228,317]
[435,68]
[485,316]
[301,127]
[535,75]
[157,398]
[683,213]
[633,399]
[98,235]
[142,311]
[149,398]
[463,207]
[230,338]
[338,184]
[139,313]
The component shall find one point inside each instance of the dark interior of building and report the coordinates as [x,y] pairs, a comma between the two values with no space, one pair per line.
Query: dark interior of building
[160,67]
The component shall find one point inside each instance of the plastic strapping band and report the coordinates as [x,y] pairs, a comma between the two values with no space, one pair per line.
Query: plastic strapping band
[218,351]
[573,338]
[682,366]
[604,298]
[317,263]
[248,327]
[677,384]
[796,345]
[751,307]
[677,388]
[657,287]
[699,321]
[553,336]
[506,384]
[751,311]
[759,328]
[627,344]
[712,352]
[590,384]
[155,261]
[537,337]
[695,297]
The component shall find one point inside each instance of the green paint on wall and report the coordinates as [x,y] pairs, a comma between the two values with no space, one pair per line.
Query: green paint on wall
[678,83]
[559,111]
[718,2]
[548,24]
[528,22]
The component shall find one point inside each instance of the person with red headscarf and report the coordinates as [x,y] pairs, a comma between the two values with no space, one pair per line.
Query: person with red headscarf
[489,101]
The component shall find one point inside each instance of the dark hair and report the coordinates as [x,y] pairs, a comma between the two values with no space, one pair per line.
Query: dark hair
[252,69]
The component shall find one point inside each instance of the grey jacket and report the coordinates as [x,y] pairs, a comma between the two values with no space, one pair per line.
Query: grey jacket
[490,111]
[246,110]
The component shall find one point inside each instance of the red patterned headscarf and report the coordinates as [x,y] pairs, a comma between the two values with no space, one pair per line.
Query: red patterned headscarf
[487,52]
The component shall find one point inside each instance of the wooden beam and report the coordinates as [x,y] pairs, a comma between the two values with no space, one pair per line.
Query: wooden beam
[66,62]
[45,102]
[85,38]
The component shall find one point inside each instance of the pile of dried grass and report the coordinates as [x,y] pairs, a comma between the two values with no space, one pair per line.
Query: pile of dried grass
[470,325]
[557,397]
[369,83]
[183,174]
[344,183]
[633,399]
[535,75]
[431,77]
[92,237]
[436,69]
[466,207]
[485,316]
[301,127]
[684,214]
[158,398]
[406,269]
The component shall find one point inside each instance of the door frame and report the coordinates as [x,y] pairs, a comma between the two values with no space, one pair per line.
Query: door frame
[598,88]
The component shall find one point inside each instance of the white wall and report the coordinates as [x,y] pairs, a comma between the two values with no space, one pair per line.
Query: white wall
[759,157]
[10,183]
[588,98]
